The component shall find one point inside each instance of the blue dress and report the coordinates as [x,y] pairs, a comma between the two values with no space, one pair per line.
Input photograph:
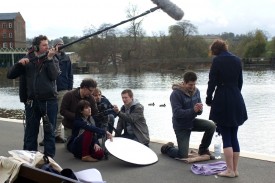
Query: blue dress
[226,79]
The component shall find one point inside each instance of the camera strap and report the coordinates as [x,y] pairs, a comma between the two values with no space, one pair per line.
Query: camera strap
[46,109]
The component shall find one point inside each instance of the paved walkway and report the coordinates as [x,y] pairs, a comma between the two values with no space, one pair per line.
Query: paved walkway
[166,170]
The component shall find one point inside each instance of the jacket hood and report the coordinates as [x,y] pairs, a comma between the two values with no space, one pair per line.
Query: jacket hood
[180,86]
[134,102]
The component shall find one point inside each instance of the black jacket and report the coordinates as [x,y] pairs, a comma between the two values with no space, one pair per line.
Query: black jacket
[224,91]
[37,79]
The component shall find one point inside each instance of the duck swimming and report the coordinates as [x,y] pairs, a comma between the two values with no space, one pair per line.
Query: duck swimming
[162,105]
[151,104]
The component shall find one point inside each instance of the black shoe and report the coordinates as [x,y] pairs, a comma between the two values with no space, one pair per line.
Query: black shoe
[41,143]
[59,139]
[165,147]
[207,152]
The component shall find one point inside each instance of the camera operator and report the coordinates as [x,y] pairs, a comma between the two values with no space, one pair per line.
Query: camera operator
[106,115]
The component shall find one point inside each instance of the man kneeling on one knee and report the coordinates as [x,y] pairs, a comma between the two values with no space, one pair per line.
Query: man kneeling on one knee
[186,105]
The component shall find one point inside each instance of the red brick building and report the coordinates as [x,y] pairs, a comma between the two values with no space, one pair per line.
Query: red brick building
[12,30]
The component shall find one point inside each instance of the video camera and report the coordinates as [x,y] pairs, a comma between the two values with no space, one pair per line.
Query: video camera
[105,115]
[103,111]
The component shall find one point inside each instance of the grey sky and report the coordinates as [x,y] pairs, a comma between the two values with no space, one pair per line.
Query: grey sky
[69,18]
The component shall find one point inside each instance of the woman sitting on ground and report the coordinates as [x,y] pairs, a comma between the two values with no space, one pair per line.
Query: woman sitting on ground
[84,143]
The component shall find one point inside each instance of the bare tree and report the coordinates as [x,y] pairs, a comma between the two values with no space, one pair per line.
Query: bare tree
[184,29]
[134,34]
[180,37]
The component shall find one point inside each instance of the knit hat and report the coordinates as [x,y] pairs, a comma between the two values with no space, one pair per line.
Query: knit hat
[57,41]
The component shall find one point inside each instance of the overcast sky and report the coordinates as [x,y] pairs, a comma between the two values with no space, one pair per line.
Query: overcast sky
[69,18]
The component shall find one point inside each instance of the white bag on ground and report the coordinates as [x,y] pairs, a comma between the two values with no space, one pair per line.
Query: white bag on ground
[89,176]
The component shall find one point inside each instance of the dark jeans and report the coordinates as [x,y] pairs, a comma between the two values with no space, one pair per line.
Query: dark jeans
[35,110]
[183,137]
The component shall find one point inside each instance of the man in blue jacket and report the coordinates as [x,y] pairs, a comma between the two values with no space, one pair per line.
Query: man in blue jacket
[186,105]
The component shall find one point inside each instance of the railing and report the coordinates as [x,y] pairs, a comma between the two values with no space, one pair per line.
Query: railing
[13,50]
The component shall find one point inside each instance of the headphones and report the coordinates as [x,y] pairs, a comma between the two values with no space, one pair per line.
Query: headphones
[35,43]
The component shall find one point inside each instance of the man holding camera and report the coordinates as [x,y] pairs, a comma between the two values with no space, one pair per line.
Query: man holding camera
[106,114]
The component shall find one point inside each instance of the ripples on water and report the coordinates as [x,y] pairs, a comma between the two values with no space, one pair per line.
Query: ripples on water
[256,135]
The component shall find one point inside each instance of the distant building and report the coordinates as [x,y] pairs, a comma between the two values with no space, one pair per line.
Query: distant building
[12,30]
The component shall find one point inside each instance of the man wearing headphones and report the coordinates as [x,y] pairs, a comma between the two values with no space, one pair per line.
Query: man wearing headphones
[64,83]
[39,73]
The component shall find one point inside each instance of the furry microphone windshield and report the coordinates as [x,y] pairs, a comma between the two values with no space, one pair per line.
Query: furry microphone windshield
[170,8]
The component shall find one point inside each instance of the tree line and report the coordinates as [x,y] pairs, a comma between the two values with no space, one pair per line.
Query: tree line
[183,41]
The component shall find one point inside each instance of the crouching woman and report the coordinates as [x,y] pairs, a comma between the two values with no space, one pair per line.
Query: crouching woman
[84,143]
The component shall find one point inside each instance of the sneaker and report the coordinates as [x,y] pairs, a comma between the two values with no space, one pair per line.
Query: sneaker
[166,146]
[41,143]
[88,159]
[207,152]
[59,139]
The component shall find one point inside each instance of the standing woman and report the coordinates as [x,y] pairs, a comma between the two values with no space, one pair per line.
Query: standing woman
[84,143]
[228,109]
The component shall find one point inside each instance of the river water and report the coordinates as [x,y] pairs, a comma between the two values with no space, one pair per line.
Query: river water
[256,135]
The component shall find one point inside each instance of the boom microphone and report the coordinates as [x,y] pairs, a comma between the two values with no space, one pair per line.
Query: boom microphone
[170,8]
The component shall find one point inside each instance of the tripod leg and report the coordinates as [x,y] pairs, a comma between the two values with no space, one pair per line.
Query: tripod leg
[106,153]
[104,138]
